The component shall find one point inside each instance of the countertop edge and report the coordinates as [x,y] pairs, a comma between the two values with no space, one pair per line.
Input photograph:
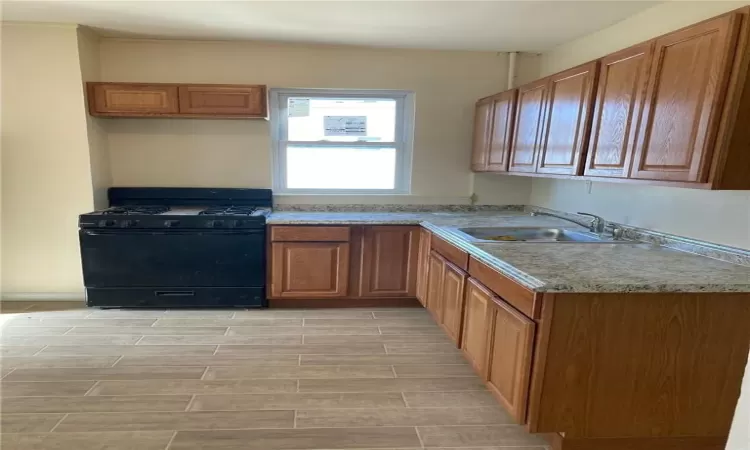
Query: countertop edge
[518,276]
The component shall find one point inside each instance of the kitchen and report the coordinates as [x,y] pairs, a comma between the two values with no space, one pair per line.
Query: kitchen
[183,152]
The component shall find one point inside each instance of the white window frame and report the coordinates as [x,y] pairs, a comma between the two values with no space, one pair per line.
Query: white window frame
[404,138]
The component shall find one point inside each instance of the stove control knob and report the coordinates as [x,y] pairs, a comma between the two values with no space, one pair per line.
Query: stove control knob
[171,223]
[217,223]
[107,223]
[128,223]
[232,223]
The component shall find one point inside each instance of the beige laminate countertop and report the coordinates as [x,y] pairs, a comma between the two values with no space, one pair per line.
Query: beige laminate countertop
[556,267]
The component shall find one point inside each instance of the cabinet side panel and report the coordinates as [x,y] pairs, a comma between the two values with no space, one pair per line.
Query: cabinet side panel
[648,365]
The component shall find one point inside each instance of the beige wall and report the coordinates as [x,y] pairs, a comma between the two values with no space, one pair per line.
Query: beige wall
[46,176]
[722,217]
[101,174]
[179,152]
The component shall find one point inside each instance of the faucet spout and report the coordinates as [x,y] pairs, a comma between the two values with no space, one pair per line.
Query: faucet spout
[596,225]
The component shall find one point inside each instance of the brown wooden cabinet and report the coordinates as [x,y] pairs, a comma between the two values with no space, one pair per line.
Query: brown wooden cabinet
[568,118]
[177,100]
[223,100]
[619,99]
[503,116]
[358,266]
[309,269]
[452,301]
[511,341]
[686,88]
[527,132]
[481,138]
[670,111]
[435,278]
[423,265]
[389,261]
[476,325]
[132,99]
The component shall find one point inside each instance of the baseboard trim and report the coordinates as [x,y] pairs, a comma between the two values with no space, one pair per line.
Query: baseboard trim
[389,302]
[43,296]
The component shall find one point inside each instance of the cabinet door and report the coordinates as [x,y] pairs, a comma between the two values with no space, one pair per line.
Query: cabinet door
[526,138]
[246,101]
[476,325]
[482,129]
[452,301]
[617,109]
[116,99]
[309,269]
[687,82]
[568,118]
[509,366]
[435,285]
[389,261]
[503,112]
[423,265]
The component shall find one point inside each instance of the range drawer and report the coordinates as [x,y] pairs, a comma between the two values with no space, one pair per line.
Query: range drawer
[303,233]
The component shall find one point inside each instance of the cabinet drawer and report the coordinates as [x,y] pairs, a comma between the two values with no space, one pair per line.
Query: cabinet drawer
[303,233]
[450,252]
[517,296]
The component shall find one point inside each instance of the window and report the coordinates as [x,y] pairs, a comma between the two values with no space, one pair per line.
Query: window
[341,141]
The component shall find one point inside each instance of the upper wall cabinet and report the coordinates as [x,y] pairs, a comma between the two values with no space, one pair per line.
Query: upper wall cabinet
[566,127]
[177,100]
[527,133]
[689,75]
[619,99]
[503,116]
[671,111]
[132,99]
[226,100]
[493,124]
[482,126]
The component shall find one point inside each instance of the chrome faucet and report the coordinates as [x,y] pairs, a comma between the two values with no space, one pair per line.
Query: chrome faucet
[597,224]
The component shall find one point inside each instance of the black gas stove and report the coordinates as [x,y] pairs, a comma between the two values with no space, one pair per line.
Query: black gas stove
[176,247]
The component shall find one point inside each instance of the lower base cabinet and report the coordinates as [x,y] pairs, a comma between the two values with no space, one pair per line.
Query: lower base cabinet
[349,265]
[423,265]
[435,276]
[511,341]
[476,325]
[309,269]
[452,301]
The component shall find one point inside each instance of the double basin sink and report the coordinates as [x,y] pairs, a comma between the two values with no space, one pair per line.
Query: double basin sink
[535,234]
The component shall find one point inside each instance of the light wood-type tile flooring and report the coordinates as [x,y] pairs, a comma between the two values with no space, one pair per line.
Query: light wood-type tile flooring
[87,379]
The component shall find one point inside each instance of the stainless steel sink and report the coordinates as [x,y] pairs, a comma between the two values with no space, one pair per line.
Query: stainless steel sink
[535,234]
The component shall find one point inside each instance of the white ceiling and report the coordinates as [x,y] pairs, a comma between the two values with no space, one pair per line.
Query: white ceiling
[462,25]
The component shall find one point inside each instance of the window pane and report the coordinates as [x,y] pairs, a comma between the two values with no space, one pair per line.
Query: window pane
[370,120]
[340,168]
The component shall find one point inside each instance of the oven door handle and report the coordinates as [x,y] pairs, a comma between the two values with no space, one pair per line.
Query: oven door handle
[120,232]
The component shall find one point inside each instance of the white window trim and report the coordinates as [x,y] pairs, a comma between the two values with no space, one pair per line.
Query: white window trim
[404,139]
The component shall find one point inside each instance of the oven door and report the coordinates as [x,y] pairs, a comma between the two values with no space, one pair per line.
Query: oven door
[175,258]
